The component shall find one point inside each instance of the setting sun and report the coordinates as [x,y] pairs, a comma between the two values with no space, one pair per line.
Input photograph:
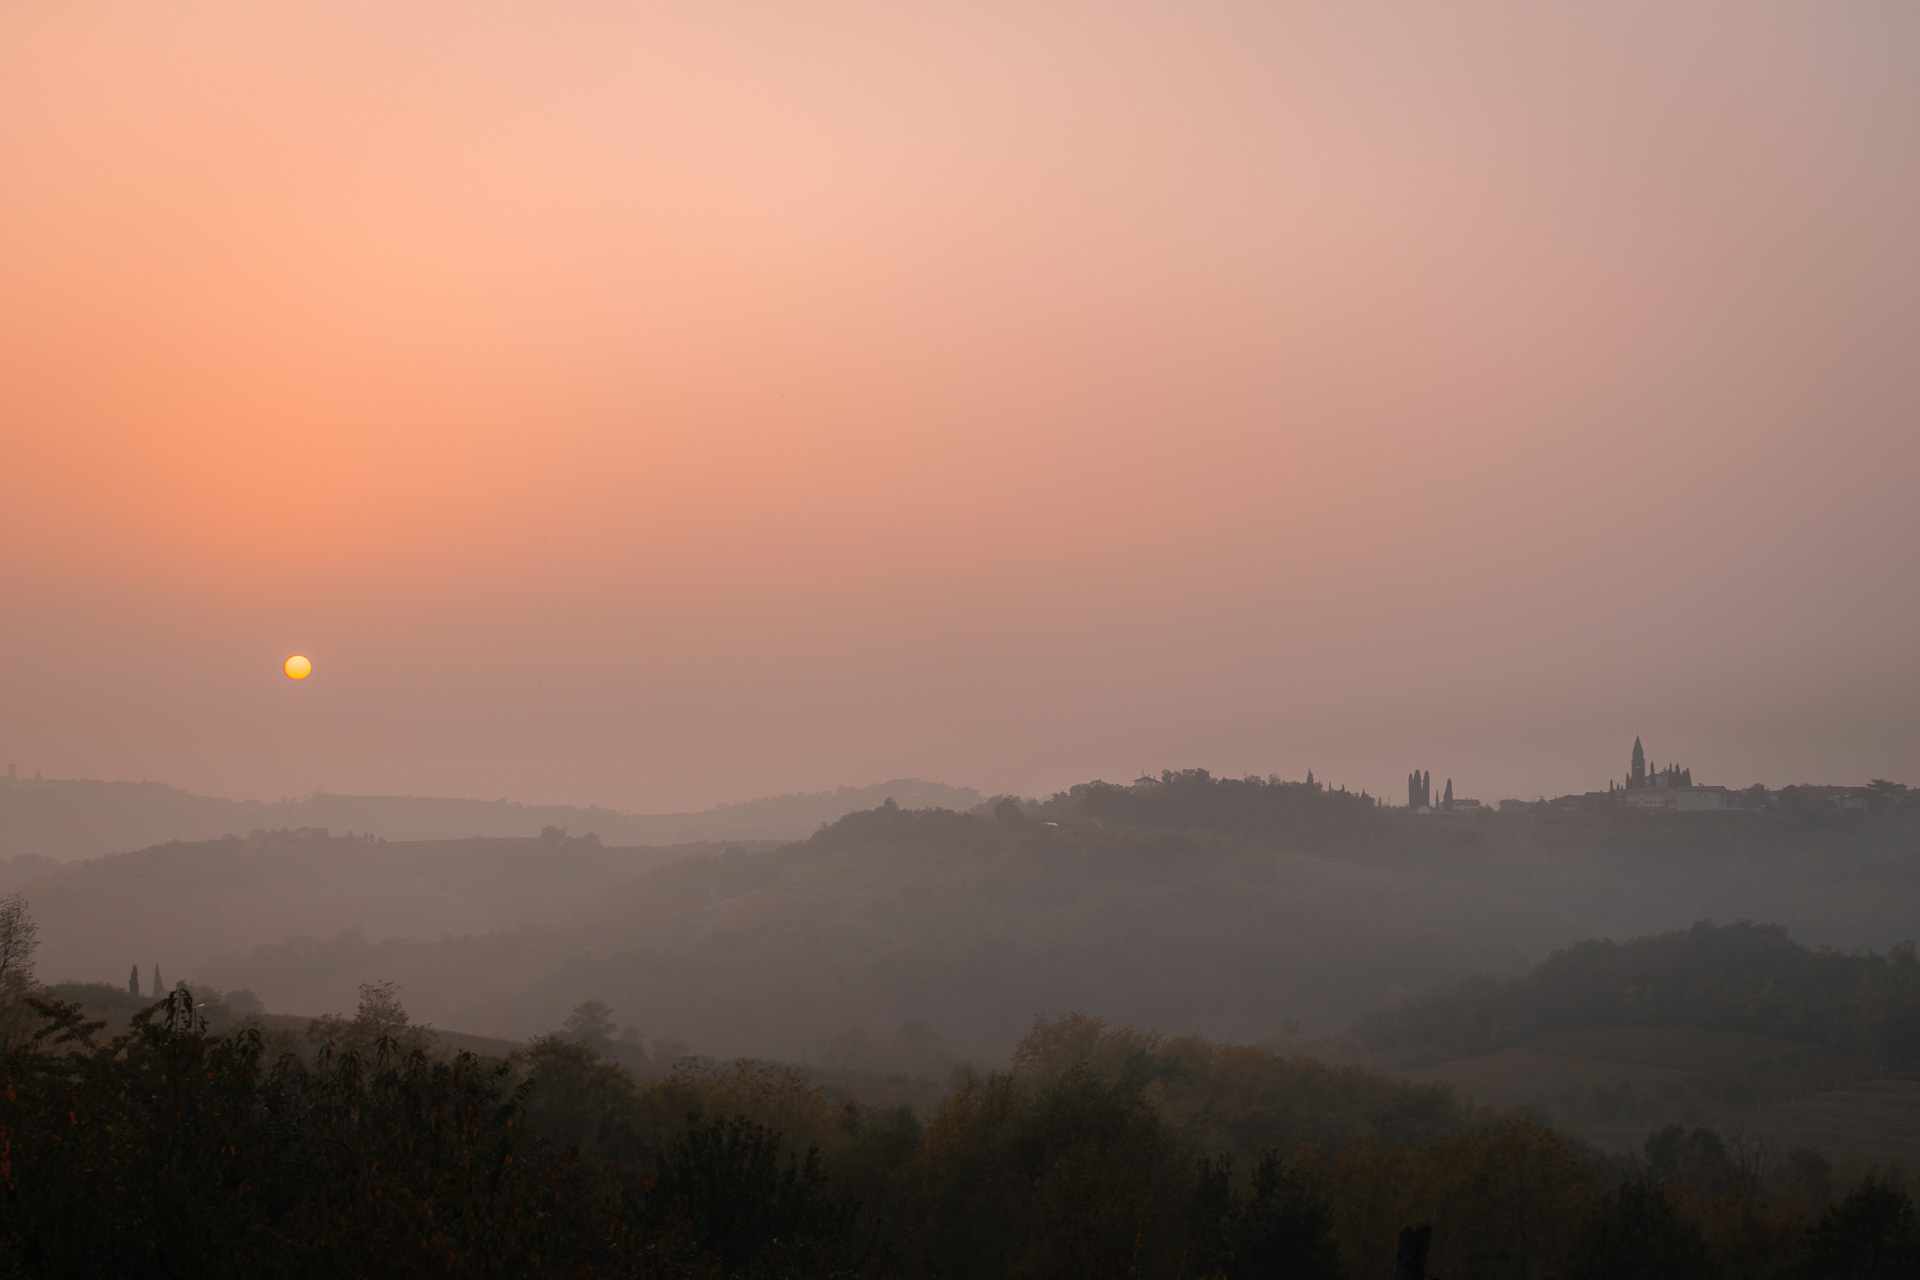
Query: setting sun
[298,668]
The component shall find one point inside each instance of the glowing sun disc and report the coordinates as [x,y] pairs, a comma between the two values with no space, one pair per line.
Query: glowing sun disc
[298,667]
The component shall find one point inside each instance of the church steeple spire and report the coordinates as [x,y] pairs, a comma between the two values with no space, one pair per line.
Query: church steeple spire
[1639,775]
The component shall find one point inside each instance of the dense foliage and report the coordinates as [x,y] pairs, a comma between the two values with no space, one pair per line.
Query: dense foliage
[167,1151]
[174,1150]
[1195,800]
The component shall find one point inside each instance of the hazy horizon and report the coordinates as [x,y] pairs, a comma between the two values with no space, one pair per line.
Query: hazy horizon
[311,792]
[1389,794]
[657,408]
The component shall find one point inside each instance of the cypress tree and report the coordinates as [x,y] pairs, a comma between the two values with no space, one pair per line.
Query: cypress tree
[133,981]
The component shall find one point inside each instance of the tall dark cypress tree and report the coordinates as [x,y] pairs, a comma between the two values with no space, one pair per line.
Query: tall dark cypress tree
[133,981]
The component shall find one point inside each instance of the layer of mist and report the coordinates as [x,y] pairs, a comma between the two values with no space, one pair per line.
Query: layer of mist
[1241,910]
[61,819]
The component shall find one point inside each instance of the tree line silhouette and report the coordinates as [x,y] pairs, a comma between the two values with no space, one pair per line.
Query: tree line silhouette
[171,1150]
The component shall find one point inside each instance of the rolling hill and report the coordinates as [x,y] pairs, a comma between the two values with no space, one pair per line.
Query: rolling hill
[1244,911]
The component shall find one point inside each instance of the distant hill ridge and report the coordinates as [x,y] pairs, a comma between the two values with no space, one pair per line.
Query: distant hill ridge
[63,819]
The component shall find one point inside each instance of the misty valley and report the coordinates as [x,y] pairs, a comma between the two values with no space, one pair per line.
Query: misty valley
[1193,1026]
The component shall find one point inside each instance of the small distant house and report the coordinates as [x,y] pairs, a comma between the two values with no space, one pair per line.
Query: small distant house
[1701,799]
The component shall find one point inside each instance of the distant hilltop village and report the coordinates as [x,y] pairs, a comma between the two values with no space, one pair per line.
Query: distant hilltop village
[1671,788]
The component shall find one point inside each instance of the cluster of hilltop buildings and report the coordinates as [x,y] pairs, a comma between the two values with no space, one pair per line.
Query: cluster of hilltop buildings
[1671,788]
[1668,788]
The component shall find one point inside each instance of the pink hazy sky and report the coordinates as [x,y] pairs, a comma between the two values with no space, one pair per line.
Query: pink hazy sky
[658,405]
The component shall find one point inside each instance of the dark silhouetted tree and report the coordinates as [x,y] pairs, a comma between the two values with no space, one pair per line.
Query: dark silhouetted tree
[1870,1235]
[19,939]
[1278,1228]
[749,1209]
[591,1024]
[1637,1231]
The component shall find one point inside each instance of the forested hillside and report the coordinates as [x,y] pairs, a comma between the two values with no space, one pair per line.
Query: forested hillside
[1749,978]
[365,1149]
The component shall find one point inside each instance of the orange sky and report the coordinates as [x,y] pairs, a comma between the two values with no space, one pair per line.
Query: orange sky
[656,406]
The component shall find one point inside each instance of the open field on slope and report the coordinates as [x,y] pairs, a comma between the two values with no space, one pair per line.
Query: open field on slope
[1615,1085]
[1873,1119]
